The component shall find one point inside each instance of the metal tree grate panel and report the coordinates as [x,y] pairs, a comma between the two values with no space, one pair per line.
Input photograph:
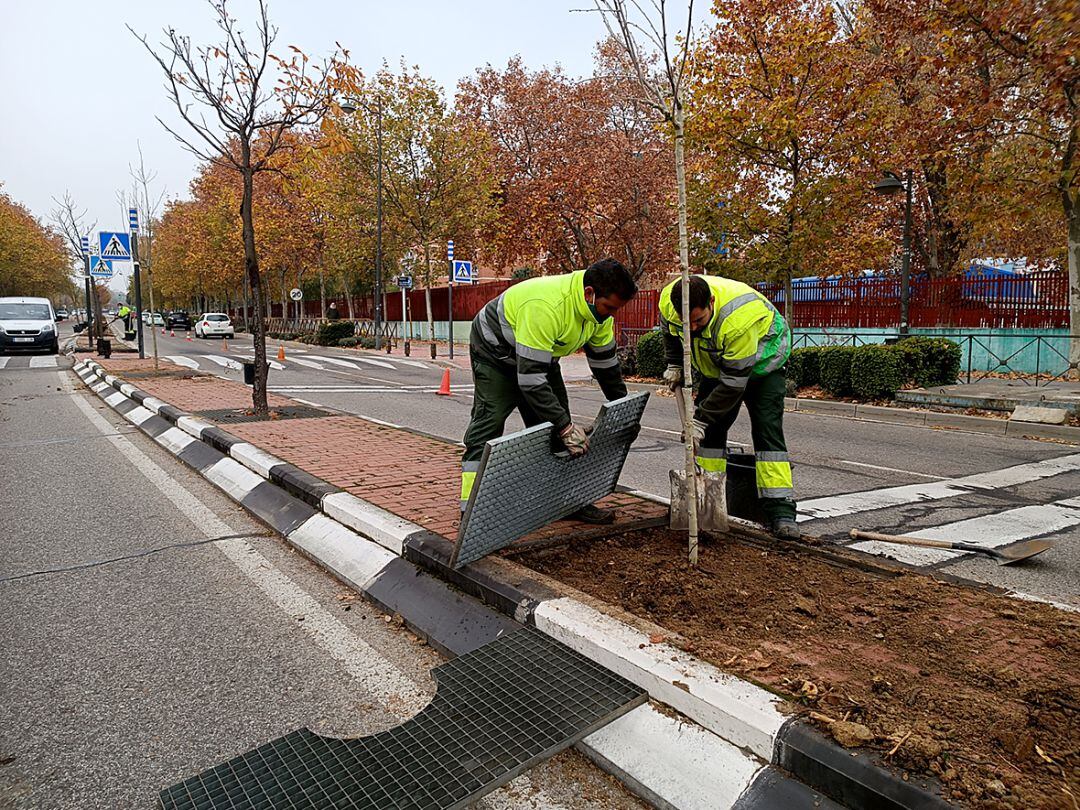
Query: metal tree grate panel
[521,485]
[498,711]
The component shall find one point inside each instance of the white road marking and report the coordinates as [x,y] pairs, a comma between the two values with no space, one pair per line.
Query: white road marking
[854,502]
[3,361]
[276,364]
[337,362]
[377,675]
[305,362]
[413,363]
[46,361]
[364,389]
[988,531]
[224,362]
[182,360]
[308,402]
[380,363]
[891,469]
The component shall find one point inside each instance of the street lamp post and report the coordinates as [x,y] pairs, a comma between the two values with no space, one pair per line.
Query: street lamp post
[890,184]
[351,107]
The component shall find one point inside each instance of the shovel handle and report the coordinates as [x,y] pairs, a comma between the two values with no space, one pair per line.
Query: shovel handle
[856,534]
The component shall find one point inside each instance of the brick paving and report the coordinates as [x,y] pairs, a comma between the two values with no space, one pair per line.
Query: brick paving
[416,477]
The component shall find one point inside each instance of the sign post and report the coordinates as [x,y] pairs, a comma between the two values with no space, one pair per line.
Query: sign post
[86,272]
[450,297]
[405,283]
[297,295]
[133,227]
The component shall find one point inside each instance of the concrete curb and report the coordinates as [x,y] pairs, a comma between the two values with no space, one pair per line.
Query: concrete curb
[667,761]
[746,725]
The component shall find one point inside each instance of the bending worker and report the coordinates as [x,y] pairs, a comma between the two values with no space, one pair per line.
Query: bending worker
[739,345]
[515,345]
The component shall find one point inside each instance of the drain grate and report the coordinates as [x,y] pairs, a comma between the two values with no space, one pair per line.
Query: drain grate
[521,485]
[498,711]
[237,415]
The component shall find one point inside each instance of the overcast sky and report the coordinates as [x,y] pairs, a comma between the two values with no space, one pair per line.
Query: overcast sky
[80,93]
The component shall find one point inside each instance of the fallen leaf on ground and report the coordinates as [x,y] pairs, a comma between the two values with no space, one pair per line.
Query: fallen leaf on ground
[656,638]
[851,735]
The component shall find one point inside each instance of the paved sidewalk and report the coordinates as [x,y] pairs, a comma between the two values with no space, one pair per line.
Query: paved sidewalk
[414,476]
[997,394]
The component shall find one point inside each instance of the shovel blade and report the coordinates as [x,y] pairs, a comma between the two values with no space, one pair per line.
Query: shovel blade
[712,501]
[1022,551]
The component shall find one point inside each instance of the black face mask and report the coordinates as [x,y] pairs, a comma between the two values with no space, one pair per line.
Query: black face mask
[592,308]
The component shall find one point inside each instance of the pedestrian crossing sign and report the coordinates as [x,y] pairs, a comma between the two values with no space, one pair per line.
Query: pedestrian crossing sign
[100,267]
[115,245]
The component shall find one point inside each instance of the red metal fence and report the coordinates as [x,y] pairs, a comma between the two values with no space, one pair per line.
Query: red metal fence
[1032,301]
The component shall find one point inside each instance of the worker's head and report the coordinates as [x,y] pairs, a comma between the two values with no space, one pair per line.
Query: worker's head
[700,303]
[608,288]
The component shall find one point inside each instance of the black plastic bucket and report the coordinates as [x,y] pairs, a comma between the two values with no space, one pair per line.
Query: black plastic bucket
[742,494]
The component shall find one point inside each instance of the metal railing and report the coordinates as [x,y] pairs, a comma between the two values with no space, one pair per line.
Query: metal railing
[362,327]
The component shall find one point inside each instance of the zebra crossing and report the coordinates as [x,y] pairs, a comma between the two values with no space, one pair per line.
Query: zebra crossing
[213,362]
[1008,515]
[29,361]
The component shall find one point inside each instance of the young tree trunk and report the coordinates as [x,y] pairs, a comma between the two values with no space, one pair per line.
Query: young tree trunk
[322,290]
[251,268]
[1074,289]
[687,389]
[427,296]
[345,291]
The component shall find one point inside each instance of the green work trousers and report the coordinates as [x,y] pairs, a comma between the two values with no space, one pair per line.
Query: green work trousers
[764,400]
[495,395]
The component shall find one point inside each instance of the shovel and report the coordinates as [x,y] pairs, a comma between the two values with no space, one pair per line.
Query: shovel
[1015,553]
[711,492]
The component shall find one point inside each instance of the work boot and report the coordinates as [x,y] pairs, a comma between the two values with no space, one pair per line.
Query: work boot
[594,514]
[786,528]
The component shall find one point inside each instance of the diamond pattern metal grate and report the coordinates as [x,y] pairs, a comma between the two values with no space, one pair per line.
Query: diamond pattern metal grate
[498,711]
[521,485]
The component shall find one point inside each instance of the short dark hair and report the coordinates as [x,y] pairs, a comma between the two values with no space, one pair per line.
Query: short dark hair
[608,277]
[700,294]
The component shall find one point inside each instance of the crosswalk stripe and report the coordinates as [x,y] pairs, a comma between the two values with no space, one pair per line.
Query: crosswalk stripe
[276,364]
[337,362]
[309,363]
[413,363]
[989,531]
[869,500]
[224,362]
[3,362]
[48,361]
[364,389]
[380,363]
[181,360]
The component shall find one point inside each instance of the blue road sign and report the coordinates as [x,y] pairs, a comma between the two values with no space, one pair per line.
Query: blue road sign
[449,250]
[115,246]
[133,220]
[86,246]
[101,268]
[463,273]
[405,282]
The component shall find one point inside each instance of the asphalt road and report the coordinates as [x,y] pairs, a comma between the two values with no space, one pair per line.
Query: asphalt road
[151,628]
[907,470]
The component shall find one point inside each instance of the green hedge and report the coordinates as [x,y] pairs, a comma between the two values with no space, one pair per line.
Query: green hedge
[931,361]
[331,332]
[363,341]
[649,355]
[834,364]
[803,367]
[878,371]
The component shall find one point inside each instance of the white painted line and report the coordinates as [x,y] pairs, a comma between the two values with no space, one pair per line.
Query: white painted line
[738,711]
[413,363]
[385,528]
[182,360]
[377,676]
[224,362]
[308,402]
[192,425]
[988,531]
[672,763]
[174,440]
[233,477]
[254,458]
[275,364]
[305,362]
[380,363]
[337,362]
[838,505]
[890,469]
[43,361]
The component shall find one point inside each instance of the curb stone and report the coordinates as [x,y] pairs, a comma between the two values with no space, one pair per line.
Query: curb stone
[745,725]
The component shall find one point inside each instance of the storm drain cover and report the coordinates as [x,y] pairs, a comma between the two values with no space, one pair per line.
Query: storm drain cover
[235,415]
[521,485]
[498,711]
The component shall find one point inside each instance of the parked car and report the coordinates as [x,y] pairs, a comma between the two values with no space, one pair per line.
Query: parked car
[28,324]
[214,324]
[61,315]
[178,317]
[155,319]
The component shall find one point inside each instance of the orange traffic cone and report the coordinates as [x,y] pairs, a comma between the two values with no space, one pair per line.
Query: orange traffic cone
[172,332]
[444,389]
[224,345]
[280,352]
[163,330]
[188,336]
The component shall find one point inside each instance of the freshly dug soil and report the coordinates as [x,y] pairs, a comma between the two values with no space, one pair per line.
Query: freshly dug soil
[980,690]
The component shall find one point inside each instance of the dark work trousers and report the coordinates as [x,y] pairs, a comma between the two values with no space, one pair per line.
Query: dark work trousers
[495,395]
[764,401]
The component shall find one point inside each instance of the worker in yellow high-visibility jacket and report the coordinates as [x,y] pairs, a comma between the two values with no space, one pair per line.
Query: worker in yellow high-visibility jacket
[515,345]
[739,345]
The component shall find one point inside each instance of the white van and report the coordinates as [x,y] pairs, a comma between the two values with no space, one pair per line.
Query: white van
[28,324]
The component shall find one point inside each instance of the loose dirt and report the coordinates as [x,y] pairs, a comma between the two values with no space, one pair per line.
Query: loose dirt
[980,690]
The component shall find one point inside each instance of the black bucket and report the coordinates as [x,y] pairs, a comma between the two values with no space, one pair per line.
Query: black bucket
[742,494]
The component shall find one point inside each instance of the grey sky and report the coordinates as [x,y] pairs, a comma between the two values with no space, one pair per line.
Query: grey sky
[80,92]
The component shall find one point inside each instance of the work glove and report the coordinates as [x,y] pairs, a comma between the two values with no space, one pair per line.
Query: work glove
[574,440]
[697,430]
[673,377]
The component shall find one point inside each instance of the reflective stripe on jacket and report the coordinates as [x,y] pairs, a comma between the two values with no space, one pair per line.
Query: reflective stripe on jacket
[536,322]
